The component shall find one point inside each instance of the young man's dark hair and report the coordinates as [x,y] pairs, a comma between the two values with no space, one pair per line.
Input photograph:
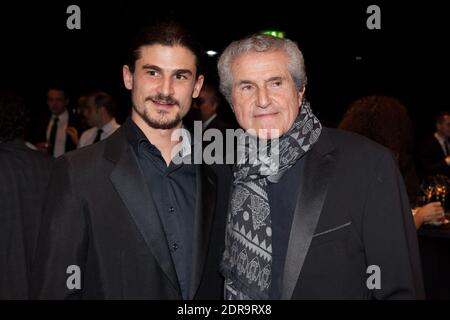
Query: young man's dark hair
[13,116]
[166,34]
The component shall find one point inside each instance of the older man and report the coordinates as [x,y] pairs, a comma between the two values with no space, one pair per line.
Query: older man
[331,218]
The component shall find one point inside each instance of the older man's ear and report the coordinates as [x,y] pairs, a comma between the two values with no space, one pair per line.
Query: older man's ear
[301,95]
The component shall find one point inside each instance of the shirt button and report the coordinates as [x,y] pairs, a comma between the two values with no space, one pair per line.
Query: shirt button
[175,247]
[171,210]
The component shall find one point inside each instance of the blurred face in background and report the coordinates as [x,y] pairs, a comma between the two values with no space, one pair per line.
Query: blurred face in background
[206,104]
[56,101]
[91,112]
[443,128]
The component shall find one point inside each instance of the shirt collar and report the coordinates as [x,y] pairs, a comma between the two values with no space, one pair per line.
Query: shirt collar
[61,117]
[439,138]
[110,126]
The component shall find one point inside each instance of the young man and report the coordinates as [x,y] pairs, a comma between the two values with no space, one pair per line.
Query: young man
[122,215]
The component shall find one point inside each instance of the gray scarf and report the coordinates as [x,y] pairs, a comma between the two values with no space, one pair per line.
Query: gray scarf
[247,259]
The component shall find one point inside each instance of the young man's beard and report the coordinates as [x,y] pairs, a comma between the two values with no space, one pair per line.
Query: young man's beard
[158,123]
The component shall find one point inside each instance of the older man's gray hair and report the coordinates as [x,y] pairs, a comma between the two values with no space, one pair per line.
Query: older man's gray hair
[260,43]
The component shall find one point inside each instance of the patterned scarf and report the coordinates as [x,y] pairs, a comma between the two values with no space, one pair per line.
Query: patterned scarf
[247,259]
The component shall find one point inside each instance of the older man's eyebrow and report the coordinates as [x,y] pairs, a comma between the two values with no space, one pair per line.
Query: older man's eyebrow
[275,79]
[244,82]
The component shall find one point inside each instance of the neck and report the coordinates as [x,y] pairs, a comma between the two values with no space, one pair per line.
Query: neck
[160,138]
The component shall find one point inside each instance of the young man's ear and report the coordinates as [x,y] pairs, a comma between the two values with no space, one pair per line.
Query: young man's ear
[198,86]
[127,77]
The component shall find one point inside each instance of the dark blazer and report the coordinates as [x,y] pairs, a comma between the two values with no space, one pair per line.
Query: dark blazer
[24,175]
[432,158]
[352,212]
[101,217]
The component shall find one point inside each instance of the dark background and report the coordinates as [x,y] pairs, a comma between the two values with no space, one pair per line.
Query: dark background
[407,58]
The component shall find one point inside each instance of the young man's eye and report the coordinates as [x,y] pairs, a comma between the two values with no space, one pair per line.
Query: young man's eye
[180,77]
[152,72]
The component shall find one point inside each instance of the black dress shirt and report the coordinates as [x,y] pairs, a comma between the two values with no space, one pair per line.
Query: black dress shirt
[282,199]
[173,190]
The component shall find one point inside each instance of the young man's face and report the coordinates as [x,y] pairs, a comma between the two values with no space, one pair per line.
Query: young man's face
[264,95]
[163,84]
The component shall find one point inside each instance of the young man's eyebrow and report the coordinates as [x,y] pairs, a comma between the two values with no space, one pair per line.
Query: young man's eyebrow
[183,71]
[152,67]
[176,71]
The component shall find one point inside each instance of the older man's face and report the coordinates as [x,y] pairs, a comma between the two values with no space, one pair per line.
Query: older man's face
[264,95]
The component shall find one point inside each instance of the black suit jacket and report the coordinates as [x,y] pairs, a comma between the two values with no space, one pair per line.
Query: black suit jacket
[24,175]
[100,216]
[432,158]
[352,212]
[37,130]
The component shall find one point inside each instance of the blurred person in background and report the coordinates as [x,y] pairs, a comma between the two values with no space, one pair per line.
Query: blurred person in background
[385,120]
[24,175]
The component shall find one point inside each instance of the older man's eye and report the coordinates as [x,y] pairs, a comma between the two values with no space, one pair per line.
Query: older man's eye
[277,83]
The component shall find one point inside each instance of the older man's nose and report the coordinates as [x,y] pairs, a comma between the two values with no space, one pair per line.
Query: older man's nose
[263,100]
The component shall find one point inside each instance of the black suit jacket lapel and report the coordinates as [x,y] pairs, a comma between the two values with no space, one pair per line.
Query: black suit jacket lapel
[129,182]
[204,215]
[317,172]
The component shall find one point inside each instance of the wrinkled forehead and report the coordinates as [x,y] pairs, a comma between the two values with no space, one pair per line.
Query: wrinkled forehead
[259,64]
